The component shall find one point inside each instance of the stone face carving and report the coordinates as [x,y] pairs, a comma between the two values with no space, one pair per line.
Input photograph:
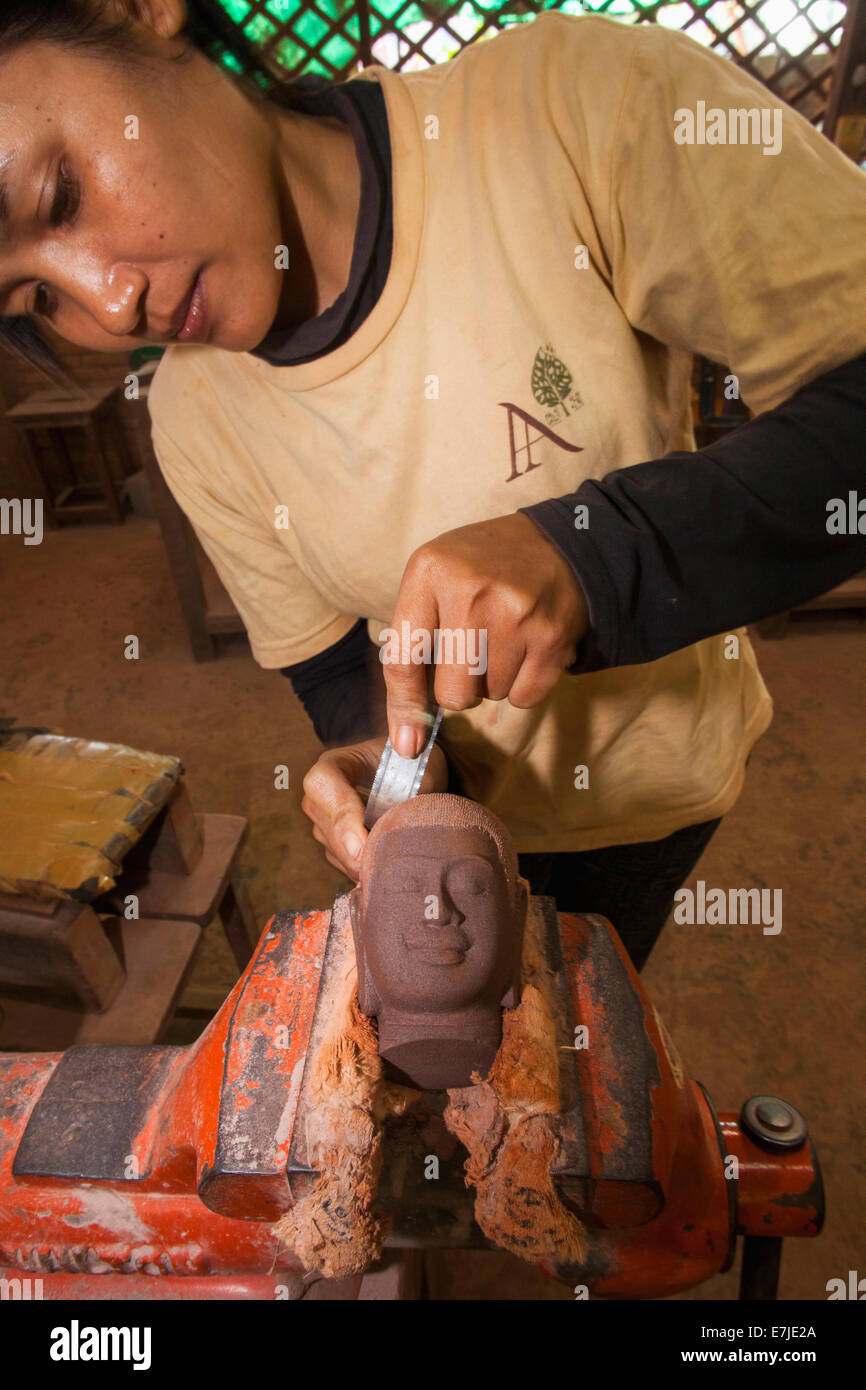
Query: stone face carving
[437,920]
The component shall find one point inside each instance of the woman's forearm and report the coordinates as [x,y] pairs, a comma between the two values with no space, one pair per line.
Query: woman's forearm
[342,689]
[690,545]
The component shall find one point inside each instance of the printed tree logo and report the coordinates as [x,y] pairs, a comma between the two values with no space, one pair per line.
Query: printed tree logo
[551,379]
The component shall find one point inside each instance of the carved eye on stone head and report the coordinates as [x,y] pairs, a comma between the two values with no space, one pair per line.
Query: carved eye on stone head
[470,877]
[400,877]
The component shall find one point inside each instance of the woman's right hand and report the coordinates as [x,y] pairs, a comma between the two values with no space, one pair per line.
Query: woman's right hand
[334,805]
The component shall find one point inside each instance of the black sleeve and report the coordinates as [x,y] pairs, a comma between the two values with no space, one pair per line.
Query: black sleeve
[343,689]
[694,544]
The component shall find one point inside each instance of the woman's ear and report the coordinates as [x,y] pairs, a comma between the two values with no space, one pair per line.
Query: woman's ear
[164,17]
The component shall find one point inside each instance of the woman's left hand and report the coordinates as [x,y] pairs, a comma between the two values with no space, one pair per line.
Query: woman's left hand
[516,602]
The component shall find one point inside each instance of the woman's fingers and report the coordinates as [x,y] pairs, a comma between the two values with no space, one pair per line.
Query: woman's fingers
[334,805]
[498,613]
[406,659]
[495,609]
[333,802]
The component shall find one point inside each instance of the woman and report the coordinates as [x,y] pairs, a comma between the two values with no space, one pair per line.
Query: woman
[414,320]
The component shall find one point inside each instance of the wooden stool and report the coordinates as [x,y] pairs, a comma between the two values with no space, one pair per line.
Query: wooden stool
[54,951]
[68,977]
[158,959]
[52,411]
[183,869]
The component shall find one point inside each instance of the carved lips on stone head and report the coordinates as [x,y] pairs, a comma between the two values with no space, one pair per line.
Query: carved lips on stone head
[437,920]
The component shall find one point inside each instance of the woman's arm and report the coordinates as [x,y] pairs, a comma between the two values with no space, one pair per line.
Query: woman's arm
[751,253]
[343,689]
[690,545]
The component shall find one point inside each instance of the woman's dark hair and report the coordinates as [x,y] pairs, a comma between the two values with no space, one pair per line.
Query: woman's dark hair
[79,24]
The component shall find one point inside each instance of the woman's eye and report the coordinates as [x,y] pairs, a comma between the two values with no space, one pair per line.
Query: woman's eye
[64,209]
[66,198]
[42,303]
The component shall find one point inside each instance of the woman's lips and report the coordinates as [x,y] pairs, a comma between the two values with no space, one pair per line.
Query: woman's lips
[196,325]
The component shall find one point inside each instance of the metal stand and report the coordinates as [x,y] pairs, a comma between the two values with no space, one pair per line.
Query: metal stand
[759,1276]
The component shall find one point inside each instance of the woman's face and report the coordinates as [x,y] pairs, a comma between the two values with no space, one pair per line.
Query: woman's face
[105,236]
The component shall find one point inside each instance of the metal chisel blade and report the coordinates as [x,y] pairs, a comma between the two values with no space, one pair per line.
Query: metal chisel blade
[398,779]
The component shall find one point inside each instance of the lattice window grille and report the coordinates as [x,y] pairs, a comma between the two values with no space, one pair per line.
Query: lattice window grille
[789,45]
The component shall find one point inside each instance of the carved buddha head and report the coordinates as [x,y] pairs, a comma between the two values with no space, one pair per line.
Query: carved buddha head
[437,919]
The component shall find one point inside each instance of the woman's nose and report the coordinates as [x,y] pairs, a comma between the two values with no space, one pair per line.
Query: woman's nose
[111,295]
[120,303]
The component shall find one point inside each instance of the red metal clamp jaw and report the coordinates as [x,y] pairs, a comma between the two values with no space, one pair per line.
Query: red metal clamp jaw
[664,1184]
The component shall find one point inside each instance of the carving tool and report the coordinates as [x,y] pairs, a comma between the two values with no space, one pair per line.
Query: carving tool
[398,779]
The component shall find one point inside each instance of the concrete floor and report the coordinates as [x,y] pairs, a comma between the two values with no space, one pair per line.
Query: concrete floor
[750,1013]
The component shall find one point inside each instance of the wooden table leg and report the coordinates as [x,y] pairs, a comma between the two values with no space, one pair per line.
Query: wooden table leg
[113,421]
[96,439]
[35,480]
[61,450]
[177,538]
[239,925]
